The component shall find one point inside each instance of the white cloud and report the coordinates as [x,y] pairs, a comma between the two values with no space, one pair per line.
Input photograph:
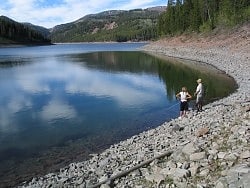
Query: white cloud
[100,86]
[138,4]
[51,13]
[57,109]
[6,124]
[16,104]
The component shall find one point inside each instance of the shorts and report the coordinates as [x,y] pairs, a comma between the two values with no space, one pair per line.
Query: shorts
[199,99]
[184,106]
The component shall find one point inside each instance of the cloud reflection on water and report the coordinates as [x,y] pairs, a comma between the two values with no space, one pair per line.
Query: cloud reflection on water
[15,104]
[57,110]
[101,84]
[18,103]
[95,83]
[5,121]
[56,79]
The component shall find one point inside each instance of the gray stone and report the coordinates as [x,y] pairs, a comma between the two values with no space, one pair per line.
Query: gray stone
[241,168]
[204,172]
[245,155]
[221,155]
[180,173]
[189,149]
[242,131]
[194,169]
[104,186]
[197,156]
[213,151]
[165,171]
[221,183]
[157,178]
[103,162]
[245,180]
[202,132]
[176,128]
[80,181]
[185,165]
[171,164]
[136,173]
[200,185]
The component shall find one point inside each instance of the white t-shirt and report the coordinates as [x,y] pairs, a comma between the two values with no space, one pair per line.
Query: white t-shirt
[183,96]
[199,90]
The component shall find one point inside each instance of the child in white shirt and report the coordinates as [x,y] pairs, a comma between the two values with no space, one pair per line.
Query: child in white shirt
[183,96]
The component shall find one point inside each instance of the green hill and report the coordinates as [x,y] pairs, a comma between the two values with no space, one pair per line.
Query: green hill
[44,31]
[113,25]
[12,32]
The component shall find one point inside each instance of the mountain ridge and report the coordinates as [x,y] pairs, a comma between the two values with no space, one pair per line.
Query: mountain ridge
[109,25]
[126,25]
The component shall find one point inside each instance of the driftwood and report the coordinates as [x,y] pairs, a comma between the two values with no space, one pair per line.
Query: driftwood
[124,173]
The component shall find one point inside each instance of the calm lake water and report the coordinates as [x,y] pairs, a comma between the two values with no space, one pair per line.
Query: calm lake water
[62,102]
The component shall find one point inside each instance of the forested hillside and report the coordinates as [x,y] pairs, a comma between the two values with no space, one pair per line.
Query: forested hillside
[12,32]
[202,15]
[44,31]
[114,25]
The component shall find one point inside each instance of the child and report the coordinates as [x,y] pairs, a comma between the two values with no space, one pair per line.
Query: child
[183,96]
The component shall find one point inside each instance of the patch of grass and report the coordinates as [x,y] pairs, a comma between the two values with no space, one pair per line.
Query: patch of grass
[145,183]
[169,181]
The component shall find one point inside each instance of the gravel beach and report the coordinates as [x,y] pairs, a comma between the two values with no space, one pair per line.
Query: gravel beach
[206,149]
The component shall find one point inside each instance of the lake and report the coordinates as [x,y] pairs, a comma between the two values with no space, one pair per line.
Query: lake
[60,103]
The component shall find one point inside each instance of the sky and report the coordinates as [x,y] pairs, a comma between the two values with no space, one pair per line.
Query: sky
[49,13]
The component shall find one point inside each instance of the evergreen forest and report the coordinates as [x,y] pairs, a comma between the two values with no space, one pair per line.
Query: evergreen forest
[185,16]
[12,32]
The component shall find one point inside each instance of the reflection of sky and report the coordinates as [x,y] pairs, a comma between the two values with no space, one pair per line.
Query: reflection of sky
[100,84]
[16,103]
[5,121]
[57,110]
[56,79]
[89,82]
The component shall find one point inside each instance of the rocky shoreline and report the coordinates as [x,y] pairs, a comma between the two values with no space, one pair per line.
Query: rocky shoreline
[208,149]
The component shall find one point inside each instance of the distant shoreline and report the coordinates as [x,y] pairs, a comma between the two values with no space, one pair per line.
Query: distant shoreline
[9,45]
[25,44]
[111,42]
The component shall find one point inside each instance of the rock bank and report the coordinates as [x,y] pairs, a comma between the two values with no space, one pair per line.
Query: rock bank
[208,149]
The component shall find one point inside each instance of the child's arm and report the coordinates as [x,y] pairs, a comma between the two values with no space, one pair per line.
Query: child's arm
[188,96]
[177,96]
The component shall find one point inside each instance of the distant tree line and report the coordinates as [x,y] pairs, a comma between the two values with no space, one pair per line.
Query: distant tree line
[202,15]
[19,33]
[118,35]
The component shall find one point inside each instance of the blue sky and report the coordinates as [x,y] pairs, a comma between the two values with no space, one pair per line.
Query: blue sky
[49,13]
